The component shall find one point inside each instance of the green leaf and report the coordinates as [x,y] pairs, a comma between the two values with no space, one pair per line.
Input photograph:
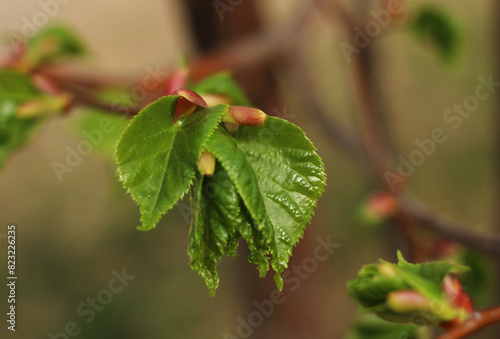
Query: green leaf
[371,327]
[259,231]
[291,178]
[370,289]
[279,177]
[375,282]
[53,44]
[217,216]
[440,29]
[157,158]
[16,87]
[14,131]
[434,271]
[478,280]
[205,243]
[222,84]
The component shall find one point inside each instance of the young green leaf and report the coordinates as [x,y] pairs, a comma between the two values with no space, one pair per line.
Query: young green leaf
[157,159]
[15,88]
[440,29]
[205,243]
[217,215]
[279,177]
[14,131]
[259,231]
[395,291]
[290,176]
[53,44]
[371,327]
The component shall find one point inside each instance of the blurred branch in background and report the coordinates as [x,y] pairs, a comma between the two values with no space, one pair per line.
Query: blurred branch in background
[370,146]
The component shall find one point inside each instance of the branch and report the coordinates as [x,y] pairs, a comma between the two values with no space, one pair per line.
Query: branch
[86,98]
[485,243]
[475,322]
[255,49]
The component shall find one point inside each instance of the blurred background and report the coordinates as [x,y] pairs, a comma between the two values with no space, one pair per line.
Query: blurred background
[288,56]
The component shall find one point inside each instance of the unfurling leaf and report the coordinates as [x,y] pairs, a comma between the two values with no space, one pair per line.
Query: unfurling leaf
[396,291]
[372,327]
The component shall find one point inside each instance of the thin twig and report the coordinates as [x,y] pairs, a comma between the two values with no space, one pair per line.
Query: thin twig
[86,98]
[255,49]
[483,242]
[475,322]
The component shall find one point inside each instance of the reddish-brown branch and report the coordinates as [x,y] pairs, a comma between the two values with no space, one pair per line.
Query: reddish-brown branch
[86,98]
[255,49]
[474,323]
[480,241]
[84,79]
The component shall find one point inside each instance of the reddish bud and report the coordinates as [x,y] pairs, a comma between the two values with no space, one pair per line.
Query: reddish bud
[444,248]
[383,205]
[187,103]
[387,270]
[246,116]
[379,207]
[406,301]
[206,164]
[191,96]
[455,293]
[44,106]
[46,84]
